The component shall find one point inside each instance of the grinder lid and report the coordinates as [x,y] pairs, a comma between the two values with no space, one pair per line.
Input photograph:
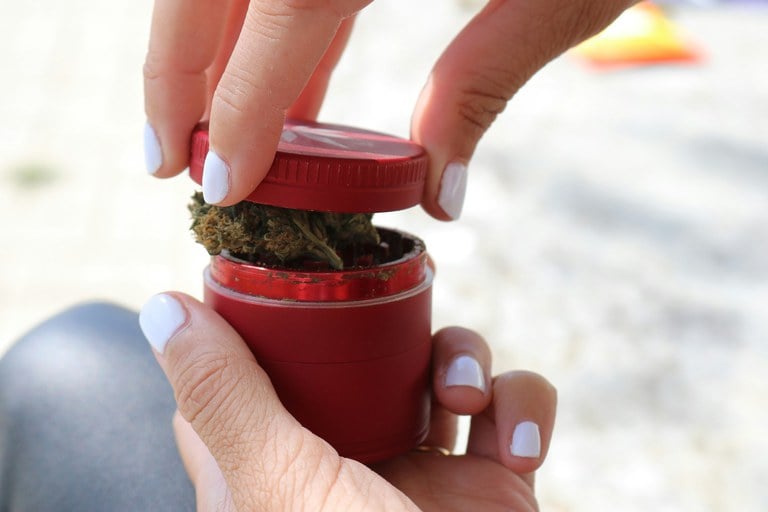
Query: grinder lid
[334,168]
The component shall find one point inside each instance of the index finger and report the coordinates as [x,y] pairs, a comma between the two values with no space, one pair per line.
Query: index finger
[280,45]
[184,39]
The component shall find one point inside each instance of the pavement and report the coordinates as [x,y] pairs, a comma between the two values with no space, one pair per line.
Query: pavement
[615,235]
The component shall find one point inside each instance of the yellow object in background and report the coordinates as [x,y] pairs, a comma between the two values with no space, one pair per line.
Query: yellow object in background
[641,35]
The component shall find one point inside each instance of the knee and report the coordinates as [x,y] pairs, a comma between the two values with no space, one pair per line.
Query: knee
[79,393]
[68,351]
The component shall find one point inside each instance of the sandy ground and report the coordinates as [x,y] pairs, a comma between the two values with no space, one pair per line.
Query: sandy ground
[615,236]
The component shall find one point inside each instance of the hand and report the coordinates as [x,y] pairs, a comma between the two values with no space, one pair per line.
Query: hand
[244,451]
[248,65]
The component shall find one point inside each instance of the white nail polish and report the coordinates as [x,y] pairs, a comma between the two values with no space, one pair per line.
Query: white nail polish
[160,318]
[526,440]
[153,154]
[453,186]
[465,371]
[215,179]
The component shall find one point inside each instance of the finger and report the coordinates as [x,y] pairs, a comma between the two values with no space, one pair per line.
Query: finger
[516,429]
[233,27]
[268,460]
[211,491]
[308,104]
[279,47]
[228,399]
[184,38]
[461,370]
[495,54]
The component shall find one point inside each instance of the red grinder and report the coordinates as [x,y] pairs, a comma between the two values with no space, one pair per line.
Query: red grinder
[348,351]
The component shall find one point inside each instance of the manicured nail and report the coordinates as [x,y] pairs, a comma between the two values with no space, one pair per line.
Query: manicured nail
[153,154]
[453,186]
[215,178]
[465,371]
[526,440]
[160,319]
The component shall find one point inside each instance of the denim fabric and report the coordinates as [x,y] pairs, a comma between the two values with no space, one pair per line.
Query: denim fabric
[85,419]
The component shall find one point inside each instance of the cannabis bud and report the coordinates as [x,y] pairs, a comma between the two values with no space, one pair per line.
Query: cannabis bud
[269,235]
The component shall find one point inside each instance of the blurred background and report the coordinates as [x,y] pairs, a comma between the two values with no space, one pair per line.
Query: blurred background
[614,238]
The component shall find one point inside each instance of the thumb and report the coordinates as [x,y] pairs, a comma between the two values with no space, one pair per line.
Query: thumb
[471,83]
[211,491]
[268,460]
[229,401]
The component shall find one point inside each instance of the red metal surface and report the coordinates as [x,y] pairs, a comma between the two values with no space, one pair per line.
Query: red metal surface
[330,286]
[327,167]
[355,372]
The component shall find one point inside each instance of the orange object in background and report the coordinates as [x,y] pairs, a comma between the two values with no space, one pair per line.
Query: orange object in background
[642,35]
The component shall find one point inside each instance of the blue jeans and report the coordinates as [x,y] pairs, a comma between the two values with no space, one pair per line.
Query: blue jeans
[85,419]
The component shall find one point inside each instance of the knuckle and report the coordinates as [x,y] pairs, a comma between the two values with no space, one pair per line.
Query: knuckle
[157,65]
[482,103]
[268,19]
[151,69]
[585,18]
[273,18]
[339,8]
[207,388]
[302,5]
[236,92]
[232,93]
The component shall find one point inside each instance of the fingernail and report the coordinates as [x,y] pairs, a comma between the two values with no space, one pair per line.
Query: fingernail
[215,178]
[153,154]
[526,440]
[160,319]
[465,371]
[453,186]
